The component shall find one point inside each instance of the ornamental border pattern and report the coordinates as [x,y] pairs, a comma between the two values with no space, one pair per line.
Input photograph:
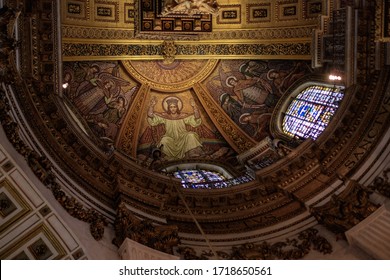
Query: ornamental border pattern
[92,51]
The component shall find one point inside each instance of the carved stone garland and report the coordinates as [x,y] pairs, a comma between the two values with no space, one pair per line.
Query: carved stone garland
[161,238]
[345,210]
[290,249]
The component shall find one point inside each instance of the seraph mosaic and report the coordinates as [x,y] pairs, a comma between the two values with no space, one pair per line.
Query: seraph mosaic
[101,93]
[248,90]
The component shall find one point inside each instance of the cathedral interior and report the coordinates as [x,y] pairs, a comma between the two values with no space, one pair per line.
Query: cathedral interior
[194,129]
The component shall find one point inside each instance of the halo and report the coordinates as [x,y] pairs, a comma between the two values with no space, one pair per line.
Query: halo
[124,98]
[240,120]
[269,72]
[165,103]
[222,97]
[228,79]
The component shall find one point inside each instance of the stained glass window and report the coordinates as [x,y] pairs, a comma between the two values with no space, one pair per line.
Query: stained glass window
[198,176]
[205,178]
[311,111]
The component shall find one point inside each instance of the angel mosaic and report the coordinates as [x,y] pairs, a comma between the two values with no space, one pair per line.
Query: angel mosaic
[249,90]
[100,95]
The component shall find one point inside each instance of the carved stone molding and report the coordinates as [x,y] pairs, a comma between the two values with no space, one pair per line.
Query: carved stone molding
[291,249]
[345,210]
[159,237]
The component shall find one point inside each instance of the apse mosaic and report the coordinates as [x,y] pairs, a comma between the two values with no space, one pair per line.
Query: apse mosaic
[171,123]
[101,93]
[311,111]
[248,90]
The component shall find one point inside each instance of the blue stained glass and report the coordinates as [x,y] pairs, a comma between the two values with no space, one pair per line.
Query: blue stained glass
[311,111]
[213,176]
[198,176]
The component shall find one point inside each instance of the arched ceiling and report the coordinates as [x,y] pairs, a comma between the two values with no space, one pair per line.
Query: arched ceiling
[227,81]
[263,47]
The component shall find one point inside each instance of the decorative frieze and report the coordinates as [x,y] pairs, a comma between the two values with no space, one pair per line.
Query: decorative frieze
[290,249]
[91,51]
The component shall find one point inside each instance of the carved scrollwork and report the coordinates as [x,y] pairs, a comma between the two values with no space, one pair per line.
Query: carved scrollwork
[381,184]
[290,249]
[163,238]
[345,210]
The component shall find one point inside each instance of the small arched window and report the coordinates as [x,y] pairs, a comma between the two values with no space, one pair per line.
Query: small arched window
[311,111]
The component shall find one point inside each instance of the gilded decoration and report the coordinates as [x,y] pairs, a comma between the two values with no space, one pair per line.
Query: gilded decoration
[156,19]
[13,207]
[128,135]
[236,138]
[256,13]
[229,14]
[315,8]
[189,16]
[301,33]
[287,10]
[76,9]
[173,77]
[41,242]
[169,51]
[229,212]
[282,50]
[382,18]
[106,11]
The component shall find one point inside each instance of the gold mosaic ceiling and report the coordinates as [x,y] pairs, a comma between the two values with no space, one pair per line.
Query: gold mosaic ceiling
[164,60]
